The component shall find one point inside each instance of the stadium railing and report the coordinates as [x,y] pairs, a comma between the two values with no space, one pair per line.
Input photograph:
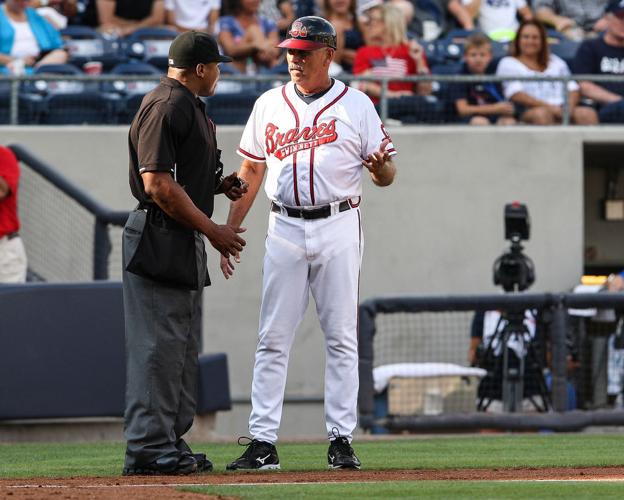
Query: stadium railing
[29,99]
[415,374]
[87,234]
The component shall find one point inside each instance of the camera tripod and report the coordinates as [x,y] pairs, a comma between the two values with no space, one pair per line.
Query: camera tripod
[512,365]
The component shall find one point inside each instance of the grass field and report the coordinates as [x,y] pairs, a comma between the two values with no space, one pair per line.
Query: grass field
[424,489]
[22,461]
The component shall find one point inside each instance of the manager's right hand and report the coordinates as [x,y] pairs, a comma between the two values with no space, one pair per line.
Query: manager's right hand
[226,240]
[227,267]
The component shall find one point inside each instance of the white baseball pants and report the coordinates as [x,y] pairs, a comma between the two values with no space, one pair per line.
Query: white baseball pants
[321,256]
[13,264]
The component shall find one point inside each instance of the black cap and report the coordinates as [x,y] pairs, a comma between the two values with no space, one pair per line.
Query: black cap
[616,7]
[192,48]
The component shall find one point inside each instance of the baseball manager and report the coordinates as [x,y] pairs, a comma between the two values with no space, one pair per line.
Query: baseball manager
[314,137]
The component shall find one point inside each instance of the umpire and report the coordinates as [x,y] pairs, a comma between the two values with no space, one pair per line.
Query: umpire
[175,171]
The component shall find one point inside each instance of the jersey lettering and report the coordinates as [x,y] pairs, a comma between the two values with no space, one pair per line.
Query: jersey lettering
[284,144]
[612,65]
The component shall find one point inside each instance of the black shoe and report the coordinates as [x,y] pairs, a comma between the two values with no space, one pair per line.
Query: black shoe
[203,464]
[341,456]
[259,455]
[170,465]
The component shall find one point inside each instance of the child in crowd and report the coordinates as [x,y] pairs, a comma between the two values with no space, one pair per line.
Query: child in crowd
[481,103]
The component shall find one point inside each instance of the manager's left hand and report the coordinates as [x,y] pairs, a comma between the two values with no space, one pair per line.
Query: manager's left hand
[376,161]
[231,189]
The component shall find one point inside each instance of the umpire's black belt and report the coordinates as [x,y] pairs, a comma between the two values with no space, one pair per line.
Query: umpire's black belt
[320,212]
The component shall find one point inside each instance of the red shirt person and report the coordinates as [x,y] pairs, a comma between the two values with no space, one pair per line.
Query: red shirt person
[12,254]
[389,53]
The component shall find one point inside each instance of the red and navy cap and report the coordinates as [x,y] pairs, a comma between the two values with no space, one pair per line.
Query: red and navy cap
[310,33]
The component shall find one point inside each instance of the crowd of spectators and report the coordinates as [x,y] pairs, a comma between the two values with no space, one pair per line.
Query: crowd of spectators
[374,38]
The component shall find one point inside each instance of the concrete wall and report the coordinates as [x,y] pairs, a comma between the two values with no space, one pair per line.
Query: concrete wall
[437,230]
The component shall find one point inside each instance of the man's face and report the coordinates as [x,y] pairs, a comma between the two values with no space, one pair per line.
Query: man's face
[209,76]
[477,59]
[615,26]
[308,66]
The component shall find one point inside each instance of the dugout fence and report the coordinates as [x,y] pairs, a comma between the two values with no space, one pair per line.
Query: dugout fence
[69,236]
[415,373]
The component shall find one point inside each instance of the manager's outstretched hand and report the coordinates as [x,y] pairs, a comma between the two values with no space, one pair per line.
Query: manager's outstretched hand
[380,165]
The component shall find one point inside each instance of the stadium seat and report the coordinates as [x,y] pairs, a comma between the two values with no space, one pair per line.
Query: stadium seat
[231,109]
[67,102]
[565,49]
[30,106]
[130,94]
[84,44]
[150,45]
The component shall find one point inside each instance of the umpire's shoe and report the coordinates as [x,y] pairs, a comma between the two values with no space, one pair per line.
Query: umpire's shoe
[259,455]
[172,464]
[341,456]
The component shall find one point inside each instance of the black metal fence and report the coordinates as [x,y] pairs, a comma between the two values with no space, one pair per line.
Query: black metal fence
[69,236]
[415,372]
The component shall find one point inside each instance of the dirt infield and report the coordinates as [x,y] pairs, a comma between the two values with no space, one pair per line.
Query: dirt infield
[146,487]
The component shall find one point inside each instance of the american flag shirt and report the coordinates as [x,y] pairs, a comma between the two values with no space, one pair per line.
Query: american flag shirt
[386,61]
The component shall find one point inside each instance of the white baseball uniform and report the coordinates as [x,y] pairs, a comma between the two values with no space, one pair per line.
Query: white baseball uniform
[314,156]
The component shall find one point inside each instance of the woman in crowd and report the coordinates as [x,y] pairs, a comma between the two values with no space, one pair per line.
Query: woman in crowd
[26,39]
[342,14]
[124,17]
[540,102]
[389,53]
[250,39]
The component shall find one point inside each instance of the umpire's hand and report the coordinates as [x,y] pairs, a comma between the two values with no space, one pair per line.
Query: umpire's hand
[234,187]
[226,240]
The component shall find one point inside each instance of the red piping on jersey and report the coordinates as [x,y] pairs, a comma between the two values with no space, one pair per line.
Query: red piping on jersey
[250,155]
[312,151]
[357,309]
[292,108]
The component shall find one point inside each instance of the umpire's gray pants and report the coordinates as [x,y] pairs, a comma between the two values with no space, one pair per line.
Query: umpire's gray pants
[163,329]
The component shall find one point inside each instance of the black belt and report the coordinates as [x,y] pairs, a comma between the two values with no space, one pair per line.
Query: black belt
[10,236]
[320,212]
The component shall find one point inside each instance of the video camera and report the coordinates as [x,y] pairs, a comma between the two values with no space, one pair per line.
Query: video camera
[513,270]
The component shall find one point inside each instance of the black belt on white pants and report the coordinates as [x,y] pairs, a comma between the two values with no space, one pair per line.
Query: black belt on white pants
[320,212]
[10,236]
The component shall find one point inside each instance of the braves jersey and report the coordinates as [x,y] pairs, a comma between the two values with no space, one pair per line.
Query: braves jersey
[313,151]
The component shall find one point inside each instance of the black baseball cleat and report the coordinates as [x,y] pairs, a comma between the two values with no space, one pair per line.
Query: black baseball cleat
[170,465]
[259,455]
[341,456]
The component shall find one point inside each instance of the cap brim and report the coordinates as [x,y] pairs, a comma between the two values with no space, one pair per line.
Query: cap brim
[224,59]
[294,43]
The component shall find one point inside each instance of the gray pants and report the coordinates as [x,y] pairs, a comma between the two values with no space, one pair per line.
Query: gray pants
[163,331]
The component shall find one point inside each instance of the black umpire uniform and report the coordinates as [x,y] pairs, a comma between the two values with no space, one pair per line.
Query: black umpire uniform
[170,133]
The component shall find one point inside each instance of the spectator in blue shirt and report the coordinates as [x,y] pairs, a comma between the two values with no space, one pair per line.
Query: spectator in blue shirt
[27,40]
[248,38]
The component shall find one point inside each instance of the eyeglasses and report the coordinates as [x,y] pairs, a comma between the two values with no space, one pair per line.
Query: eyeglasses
[374,19]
